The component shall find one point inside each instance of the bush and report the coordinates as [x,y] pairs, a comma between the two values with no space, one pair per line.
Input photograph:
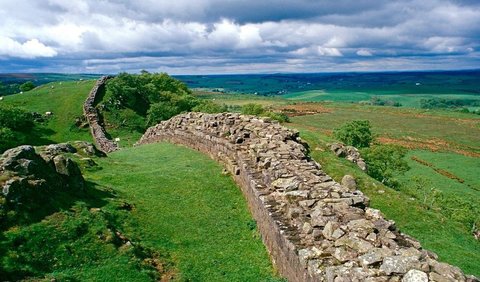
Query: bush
[280,117]
[27,86]
[161,111]
[126,118]
[15,118]
[152,97]
[209,107]
[356,133]
[8,139]
[252,109]
[384,162]
[259,110]
[15,126]
[138,92]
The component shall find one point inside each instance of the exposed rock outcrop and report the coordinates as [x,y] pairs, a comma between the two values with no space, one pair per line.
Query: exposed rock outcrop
[93,117]
[350,153]
[314,228]
[30,180]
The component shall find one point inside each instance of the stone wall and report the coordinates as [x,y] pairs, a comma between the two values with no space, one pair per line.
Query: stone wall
[93,117]
[314,228]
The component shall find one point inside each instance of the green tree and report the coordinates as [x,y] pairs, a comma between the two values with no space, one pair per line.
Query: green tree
[356,133]
[8,139]
[15,127]
[161,111]
[27,86]
[280,117]
[253,109]
[15,118]
[384,162]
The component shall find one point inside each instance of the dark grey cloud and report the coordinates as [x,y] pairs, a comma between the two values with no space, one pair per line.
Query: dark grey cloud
[227,35]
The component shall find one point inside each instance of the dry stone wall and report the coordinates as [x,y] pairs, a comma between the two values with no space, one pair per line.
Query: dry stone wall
[314,228]
[93,117]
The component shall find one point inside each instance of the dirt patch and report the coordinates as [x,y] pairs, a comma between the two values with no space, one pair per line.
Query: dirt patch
[434,145]
[303,109]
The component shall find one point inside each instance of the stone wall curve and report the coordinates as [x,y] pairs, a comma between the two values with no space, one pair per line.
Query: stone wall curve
[97,130]
[314,228]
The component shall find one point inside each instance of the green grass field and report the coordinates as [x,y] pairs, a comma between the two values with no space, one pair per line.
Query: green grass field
[185,206]
[411,100]
[64,100]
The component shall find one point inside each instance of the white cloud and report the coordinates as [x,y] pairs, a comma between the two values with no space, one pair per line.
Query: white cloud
[364,53]
[317,51]
[29,49]
[261,31]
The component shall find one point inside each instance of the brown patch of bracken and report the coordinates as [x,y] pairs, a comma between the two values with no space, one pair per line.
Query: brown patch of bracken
[433,145]
[303,109]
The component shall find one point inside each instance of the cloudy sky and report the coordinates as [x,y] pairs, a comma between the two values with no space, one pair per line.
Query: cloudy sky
[238,36]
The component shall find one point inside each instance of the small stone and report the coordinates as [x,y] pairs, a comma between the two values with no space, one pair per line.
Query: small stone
[349,182]
[337,233]
[329,229]
[342,254]
[307,228]
[414,275]
[361,224]
[286,184]
[302,194]
[374,255]
[435,277]
[372,237]
[399,264]
[307,203]
[373,213]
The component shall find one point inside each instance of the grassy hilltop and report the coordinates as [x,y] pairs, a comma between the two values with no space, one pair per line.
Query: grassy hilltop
[192,222]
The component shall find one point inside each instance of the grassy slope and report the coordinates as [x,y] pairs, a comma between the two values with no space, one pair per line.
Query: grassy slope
[465,168]
[65,100]
[184,205]
[71,245]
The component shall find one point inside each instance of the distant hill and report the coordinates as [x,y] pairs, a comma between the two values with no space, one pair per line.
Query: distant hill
[10,82]
[431,82]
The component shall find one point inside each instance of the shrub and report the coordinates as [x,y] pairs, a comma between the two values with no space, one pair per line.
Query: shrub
[161,111]
[27,86]
[138,92]
[280,117]
[384,162]
[252,109]
[356,133]
[8,139]
[15,118]
[15,126]
[152,97]
[209,107]
[259,110]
